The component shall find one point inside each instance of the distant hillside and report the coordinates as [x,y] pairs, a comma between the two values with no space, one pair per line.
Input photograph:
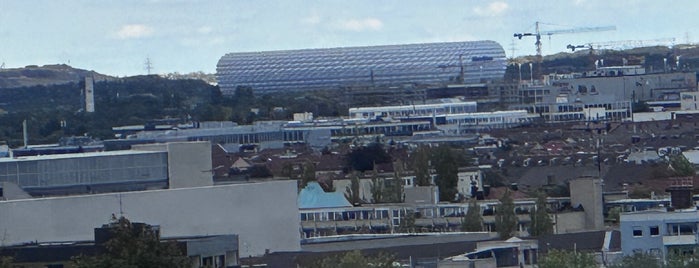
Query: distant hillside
[33,75]
[652,58]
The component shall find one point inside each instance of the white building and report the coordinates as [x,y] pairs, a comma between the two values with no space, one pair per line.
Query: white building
[264,215]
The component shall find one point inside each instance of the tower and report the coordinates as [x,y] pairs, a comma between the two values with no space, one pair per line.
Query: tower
[89,94]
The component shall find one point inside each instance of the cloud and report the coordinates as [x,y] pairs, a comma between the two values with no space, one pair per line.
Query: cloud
[360,25]
[134,31]
[493,9]
[312,19]
[204,30]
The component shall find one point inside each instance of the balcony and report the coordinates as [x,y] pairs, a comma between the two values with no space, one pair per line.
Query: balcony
[676,240]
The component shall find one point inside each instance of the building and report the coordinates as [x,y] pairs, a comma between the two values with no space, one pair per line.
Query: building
[264,215]
[202,251]
[156,166]
[513,252]
[665,231]
[422,111]
[366,67]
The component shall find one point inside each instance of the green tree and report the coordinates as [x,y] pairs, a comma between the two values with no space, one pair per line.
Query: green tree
[407,222]
[569,259]
[421,166]
[614,215]
[352,190]
[505,218]
[309,173]
[447,173]
[134,246]
[541,220]
[679,260]
[472,221]
[639,260]
[363,158]
[681,166]
[377,187]
[354,259]
[6,262]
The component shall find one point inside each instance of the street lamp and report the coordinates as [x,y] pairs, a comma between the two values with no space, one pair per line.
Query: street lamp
[519,67]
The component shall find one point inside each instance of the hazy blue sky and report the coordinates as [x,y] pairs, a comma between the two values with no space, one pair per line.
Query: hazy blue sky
[116,37]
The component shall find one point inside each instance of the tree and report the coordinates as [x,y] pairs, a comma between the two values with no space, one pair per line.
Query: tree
[541,220]
[562,258]
[407,222]
[681,166]
[309,174]
[134,246]
[614,215]
[377,187]
[677,260]
[421,166]
[505,218]
[6,262]
[352,190]
[447,173]
[364,158]
[472,221]
[355,259]
[638,260]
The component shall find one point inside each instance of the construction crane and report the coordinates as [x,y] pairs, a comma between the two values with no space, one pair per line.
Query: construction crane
[624,44]
[538,33]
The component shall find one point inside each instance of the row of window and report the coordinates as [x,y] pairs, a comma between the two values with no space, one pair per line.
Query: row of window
[672,229]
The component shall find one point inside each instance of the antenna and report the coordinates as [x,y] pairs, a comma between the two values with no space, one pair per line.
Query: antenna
[148,65]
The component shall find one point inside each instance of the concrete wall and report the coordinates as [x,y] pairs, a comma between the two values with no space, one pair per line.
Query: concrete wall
[188,163]
[568,222]
[466,178]
[588,193]
[421,195]
[264,215]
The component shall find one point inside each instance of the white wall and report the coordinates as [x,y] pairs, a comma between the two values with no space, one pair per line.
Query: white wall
[264,215]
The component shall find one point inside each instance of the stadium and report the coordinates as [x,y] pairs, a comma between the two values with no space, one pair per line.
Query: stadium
[416,65]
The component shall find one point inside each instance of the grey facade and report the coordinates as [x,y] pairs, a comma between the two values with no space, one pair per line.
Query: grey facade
[264,215]
[372,66]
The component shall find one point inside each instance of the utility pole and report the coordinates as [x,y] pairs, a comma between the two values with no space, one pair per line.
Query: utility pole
[148,65]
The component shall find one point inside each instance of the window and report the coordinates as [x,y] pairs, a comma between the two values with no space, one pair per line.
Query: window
[654,230]
[637,231]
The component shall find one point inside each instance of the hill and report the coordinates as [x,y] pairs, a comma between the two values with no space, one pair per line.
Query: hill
[56,74]
[654,59]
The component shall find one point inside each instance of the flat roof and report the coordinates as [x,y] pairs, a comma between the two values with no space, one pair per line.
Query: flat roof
[78,155]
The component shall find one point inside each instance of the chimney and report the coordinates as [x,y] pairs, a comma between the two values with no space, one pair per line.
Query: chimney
[681,192]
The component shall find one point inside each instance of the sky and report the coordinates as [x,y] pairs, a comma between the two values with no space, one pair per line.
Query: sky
[117,37]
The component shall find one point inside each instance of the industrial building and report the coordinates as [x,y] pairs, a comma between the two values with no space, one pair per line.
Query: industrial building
[434,64]
[263,215]
[158,166]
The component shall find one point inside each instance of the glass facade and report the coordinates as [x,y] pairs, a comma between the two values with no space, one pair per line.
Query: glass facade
[381,66]
[98,169]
